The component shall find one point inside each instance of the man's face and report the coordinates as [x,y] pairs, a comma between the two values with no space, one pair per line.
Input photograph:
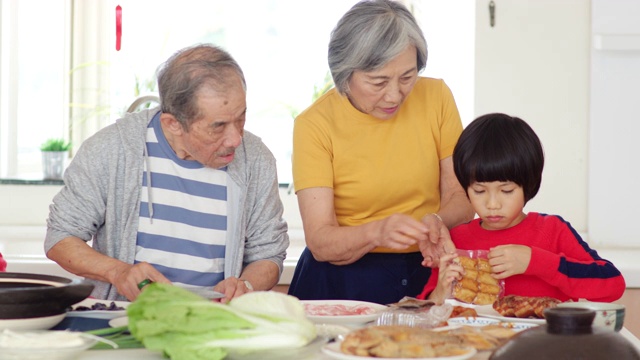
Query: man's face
[212,139]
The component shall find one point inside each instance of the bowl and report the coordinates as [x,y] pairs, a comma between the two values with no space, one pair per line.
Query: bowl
[43,344]
[35,301]
[608,315]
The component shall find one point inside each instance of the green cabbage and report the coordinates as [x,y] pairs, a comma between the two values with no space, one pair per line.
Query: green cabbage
[185,326]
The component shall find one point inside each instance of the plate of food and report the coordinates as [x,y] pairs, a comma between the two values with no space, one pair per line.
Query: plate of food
[99,309]
[488,311]
[342,311]
[398,342]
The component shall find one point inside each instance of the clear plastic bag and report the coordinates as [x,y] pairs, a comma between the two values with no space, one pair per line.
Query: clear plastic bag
[416,313]
[477,286]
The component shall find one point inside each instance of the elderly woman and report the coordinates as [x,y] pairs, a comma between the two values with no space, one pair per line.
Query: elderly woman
[372,164]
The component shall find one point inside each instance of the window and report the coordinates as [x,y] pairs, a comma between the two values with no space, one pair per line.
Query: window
[280,44]
[32,81]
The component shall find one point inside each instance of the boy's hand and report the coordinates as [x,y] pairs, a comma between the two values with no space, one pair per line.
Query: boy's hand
[509,260]
[449,272]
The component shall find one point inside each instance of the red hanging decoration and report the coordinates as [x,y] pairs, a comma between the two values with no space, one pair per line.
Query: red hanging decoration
[118,27]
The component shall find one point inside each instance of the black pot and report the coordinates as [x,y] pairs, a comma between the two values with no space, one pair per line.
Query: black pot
[25,296]
[567,335]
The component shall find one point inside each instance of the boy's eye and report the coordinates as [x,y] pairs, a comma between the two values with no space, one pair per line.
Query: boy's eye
[477,191]
[507,191]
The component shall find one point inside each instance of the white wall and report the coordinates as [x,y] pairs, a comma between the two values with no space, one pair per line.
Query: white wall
[534,64]
[615,122]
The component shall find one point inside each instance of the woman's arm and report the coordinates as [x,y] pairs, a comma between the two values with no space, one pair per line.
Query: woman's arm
[455,208]
[341,245]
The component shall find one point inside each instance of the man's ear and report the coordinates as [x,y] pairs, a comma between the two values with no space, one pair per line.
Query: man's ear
[171,124]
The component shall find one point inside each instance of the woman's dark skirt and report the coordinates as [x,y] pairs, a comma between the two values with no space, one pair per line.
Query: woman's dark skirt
[382,278]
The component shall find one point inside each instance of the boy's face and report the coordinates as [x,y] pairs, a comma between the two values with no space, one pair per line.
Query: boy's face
[499,204]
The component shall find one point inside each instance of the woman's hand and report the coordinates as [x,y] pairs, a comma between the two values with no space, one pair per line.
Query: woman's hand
[449,272]
[400,231]
[437,242]
[509,260]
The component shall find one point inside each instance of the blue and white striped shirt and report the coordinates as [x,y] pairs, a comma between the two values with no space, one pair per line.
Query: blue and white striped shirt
[185,240]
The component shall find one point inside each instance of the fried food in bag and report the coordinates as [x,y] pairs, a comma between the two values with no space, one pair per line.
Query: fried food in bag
[477,286]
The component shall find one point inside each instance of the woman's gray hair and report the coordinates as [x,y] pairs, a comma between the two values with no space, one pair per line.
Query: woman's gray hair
[371,34]
[189,70]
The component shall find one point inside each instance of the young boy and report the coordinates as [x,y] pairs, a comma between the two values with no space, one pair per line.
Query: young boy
[498,161]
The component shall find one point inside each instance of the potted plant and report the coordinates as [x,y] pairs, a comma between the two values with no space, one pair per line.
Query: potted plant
[54,154]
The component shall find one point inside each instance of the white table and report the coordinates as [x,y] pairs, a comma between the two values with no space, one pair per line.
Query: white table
[143,354]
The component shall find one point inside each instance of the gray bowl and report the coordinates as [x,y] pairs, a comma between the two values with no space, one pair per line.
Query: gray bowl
[24,296]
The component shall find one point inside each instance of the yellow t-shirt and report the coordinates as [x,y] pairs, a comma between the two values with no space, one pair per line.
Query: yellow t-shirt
[377,167]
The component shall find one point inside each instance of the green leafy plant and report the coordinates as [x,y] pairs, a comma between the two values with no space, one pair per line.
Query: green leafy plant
[55,144]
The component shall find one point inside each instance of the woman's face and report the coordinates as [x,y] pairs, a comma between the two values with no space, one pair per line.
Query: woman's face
[499,204]
[380,93]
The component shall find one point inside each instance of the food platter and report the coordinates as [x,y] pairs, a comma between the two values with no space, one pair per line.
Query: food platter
[99,314]
[333,350]
[356,319]
[489,312]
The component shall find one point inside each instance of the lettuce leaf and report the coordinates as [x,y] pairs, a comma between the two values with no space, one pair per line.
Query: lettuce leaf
[185,326]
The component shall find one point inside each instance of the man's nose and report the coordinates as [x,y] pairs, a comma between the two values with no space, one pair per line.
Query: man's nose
[233,136]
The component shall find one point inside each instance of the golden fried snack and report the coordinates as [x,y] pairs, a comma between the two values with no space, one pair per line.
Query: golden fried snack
[469,284]
[467,262]
[463,294]
[470,274]
[483,265]
[486,278]
[395,341]
[463,311]
[488,289]
[485,299]
[477,286]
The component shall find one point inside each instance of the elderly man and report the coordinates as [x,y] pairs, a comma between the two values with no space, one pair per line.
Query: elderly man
[179,194]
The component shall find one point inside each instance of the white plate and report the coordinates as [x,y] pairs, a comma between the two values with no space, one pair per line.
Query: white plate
[489,312]
[477,321]
[518,326]
[345,319]
[119,321]
[99,314]
[40,323]
[333,351]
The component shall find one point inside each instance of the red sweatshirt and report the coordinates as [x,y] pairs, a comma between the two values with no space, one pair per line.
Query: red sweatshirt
[562,265]
[3,263]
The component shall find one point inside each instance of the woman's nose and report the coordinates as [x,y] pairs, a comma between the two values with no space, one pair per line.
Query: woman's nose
[393,93]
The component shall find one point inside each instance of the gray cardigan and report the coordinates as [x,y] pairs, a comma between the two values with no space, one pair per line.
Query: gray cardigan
[100,200]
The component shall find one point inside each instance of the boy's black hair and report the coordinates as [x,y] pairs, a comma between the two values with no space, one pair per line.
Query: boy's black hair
[499,147]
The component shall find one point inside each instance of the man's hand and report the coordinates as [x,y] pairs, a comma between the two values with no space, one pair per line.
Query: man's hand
[231,288]
[127,277]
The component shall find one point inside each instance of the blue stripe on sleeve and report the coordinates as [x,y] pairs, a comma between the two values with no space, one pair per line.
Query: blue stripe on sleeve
[585,271]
